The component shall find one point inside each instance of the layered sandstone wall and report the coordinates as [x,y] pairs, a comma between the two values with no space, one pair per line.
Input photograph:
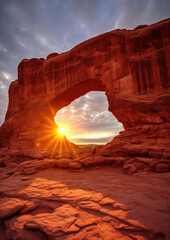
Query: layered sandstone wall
[131,66]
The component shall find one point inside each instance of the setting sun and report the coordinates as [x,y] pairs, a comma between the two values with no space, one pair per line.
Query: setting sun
[62,130]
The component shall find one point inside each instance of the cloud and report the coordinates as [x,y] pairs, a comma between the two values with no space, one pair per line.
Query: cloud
[88,118]
[5,79]
[37,28]
[135,12]
[91,140]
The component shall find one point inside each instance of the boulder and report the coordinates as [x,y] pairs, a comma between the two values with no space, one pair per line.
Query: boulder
[63,163]
[75,165]
[130,168]
[30,170]
[162,167]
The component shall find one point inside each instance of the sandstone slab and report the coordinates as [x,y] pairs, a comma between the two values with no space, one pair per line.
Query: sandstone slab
[56,223]
[10,206]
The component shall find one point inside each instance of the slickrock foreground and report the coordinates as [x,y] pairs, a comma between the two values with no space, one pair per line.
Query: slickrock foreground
[96,203]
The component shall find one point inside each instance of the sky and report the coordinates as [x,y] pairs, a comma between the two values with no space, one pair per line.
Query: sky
[36,28]
[87,121]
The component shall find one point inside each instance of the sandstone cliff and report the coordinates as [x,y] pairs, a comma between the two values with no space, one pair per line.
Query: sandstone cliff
[131,66]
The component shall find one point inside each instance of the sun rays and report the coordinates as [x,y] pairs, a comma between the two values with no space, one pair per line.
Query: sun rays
[52,138]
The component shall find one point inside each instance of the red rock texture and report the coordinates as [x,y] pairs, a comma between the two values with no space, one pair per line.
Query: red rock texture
[131,66]
[95,204]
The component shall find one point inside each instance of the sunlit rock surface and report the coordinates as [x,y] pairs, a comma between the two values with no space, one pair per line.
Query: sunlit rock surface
[98,203]
[131,66]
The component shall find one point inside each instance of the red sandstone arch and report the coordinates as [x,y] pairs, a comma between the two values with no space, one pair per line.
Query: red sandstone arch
[131,66]
[47,125]
[80,89]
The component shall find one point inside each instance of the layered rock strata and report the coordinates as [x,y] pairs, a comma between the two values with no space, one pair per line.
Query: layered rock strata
[131,66]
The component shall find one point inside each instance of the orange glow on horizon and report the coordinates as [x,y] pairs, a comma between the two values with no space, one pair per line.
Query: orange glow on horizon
[76,134]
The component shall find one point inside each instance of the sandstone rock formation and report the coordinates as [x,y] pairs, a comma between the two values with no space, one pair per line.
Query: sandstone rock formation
[131,66]
[95,204]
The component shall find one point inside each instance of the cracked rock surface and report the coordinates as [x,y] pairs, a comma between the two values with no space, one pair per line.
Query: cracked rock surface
[94,203]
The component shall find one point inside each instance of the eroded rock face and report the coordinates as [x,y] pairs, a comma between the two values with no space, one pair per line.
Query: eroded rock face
[131,66]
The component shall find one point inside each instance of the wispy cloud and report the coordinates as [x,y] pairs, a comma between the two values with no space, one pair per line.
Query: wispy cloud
[37,28]
[87,118]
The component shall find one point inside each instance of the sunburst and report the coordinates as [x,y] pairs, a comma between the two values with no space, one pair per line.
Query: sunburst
[62,131]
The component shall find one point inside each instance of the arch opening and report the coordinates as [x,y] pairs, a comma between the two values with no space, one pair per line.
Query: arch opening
[49,136]
[87,121]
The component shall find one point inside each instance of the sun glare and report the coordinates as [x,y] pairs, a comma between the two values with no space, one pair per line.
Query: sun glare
[62,130]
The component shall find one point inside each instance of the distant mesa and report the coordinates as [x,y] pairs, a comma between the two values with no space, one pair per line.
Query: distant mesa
[132,67]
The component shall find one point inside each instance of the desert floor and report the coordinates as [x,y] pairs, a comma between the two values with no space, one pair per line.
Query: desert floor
[92,203]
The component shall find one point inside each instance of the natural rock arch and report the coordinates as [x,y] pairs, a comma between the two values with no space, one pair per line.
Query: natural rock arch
[131,66]
[47,124]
